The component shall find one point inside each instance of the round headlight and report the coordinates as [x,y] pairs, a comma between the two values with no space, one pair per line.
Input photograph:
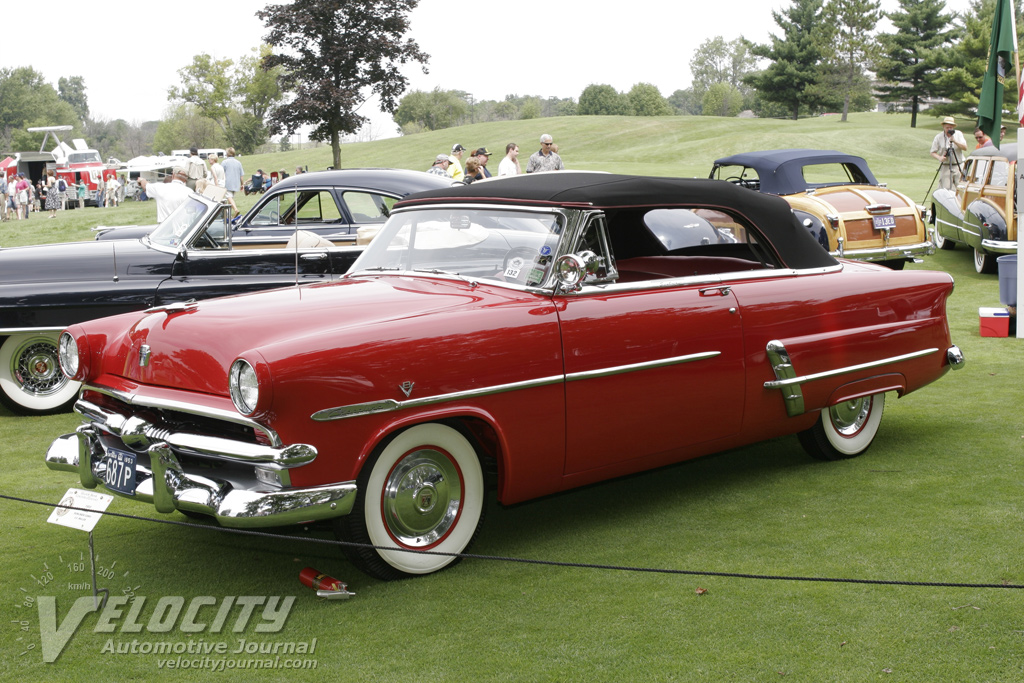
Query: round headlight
[68,353]
[244,387]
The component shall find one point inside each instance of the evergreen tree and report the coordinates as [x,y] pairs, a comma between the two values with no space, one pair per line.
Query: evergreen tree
[851,43]
[795,58]
[966,62]
[911,59]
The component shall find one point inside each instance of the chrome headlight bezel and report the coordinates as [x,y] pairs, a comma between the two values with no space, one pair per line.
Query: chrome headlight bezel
[244,387]
[68,355]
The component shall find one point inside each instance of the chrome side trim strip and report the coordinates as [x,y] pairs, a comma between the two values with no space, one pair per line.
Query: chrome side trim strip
[190,408]
[789,382]
[622,369]
[389,405]
[29,330]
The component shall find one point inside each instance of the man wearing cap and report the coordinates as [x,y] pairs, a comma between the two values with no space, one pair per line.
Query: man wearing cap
[949,147]
[546,158]
[440,166]
[168,196]
[482,155]
[455,162]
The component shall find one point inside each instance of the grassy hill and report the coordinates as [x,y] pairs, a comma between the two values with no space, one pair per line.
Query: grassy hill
[680,146]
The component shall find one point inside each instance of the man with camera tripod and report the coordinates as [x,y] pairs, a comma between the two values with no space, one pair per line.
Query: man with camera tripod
[949,147]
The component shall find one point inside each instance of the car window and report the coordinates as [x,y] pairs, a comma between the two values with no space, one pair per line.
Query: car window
[595,239]
[739,175]
[979,172]
[176,227]
[318,207]
[1000,171]
[679,228]
[367,207]
[269,213]
[215,236]
[828,174]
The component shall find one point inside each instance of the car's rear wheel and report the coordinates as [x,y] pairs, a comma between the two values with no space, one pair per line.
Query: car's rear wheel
[31,382]
[984,262]
[423,491]
[845,430]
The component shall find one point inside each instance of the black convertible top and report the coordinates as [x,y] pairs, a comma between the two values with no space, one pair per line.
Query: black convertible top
[771,215]
[780,171]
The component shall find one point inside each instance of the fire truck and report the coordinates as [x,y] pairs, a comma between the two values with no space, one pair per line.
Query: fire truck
[75,165]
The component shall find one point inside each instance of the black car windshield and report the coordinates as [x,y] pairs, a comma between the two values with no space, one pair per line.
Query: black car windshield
[485,244]
[179,224]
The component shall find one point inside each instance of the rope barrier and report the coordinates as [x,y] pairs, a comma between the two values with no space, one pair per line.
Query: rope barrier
[546,563]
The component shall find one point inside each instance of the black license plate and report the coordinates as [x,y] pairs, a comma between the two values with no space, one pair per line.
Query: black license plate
[120,474]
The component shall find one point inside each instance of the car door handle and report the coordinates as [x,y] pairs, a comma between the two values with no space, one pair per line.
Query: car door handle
[715,291]
[314,257]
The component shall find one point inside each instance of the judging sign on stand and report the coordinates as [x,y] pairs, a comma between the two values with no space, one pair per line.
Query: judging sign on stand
[90,506]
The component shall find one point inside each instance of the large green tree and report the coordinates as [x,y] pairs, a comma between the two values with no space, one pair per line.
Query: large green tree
[27,100]
[431,110]
[910,61]
[850,44]
[795,58]
[717,61]
[336,54]
[236,96]
[966,62]
[603,100]
[645,100]
[72,91]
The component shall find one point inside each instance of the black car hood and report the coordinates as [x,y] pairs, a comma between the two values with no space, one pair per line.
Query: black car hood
[82,262]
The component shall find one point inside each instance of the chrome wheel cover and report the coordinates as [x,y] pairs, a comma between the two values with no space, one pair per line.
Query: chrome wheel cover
[849,417]
[422,498]
[36,369]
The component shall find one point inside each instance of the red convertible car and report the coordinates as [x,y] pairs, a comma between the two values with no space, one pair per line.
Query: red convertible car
[523,335]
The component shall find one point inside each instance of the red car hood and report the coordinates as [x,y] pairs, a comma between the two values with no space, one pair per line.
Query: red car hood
[194,349]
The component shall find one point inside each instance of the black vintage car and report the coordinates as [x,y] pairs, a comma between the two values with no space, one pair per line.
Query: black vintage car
[306,229]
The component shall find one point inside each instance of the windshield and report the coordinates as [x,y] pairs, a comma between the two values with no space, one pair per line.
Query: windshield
[176,227]
[90,157]
[484,244]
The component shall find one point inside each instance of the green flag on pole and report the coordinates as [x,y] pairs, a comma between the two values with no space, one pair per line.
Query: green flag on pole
[1000,59]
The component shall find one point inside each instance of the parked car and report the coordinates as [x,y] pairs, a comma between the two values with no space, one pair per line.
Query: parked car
[532,334]
[837,197]
[192,255]
[980,212]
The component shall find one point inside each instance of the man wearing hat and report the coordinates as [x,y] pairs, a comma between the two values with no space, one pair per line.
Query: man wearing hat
[455,161]
[168,196]
[949,147]
[482,155]
[440,166]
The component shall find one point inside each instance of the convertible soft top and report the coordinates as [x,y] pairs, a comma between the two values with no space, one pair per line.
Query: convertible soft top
[772,215]
[781,170]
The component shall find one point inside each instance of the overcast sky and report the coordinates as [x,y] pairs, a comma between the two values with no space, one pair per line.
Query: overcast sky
[129,53]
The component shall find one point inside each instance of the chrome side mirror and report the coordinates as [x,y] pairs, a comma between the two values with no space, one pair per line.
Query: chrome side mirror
[572,269]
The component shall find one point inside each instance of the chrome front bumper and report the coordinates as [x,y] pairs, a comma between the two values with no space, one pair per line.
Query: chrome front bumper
[231,494]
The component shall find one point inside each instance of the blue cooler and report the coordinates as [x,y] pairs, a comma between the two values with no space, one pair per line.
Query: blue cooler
[1007,279]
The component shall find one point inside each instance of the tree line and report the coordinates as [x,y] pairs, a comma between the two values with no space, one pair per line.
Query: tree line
[827,56]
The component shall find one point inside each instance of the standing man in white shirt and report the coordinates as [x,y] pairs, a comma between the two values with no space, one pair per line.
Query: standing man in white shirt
[510,164]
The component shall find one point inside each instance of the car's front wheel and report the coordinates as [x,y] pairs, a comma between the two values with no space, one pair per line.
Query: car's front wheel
[845,430]
[943,243]
[424,491]
[984,262]
[31,382]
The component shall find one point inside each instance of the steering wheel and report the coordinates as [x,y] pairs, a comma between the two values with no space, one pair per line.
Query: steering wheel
[735,180]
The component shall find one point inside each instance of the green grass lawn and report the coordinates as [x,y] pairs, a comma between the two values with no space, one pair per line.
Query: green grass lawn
[936,498]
